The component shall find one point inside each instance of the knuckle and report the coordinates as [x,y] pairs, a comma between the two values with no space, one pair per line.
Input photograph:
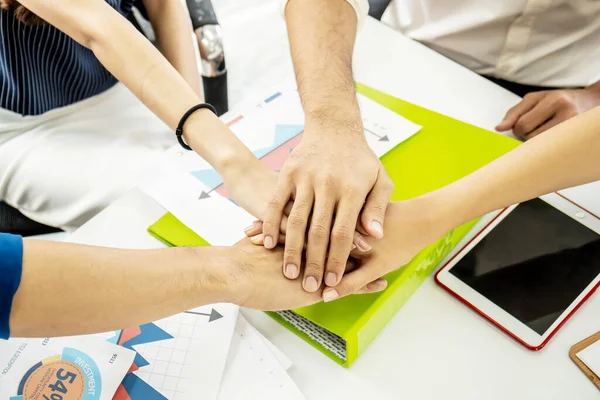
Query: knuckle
[291,253]
[314,268]
[335,264]
[378,207]
[274,202]
[268,226]
[327,180]
[290,167]
[302,205]
[342,233]
[352,189]
[296,220]
[522,126]
[319,232]
[529,95]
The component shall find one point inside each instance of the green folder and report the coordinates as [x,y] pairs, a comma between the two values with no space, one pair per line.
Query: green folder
[443,151]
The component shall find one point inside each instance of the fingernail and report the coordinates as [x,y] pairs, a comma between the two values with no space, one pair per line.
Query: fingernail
[269,244]
[377,228]
[257,239]
[331,279]
[330,295]
[310,284]
[250,228]
[291,271]
[379,284]
[363,245]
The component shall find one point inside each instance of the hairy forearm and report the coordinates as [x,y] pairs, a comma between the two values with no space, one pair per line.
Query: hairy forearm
[322,35]
[69,289]
[175,40]
[565,156]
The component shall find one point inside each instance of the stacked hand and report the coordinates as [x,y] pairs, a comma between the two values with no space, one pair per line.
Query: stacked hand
[332,180]
[313,206]
[411,228]
[255,280]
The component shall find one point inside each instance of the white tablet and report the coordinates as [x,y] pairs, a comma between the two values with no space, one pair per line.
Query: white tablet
[530,268]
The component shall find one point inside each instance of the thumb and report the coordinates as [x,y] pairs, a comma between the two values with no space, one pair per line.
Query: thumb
[374,210]
[354,282]
[523,107]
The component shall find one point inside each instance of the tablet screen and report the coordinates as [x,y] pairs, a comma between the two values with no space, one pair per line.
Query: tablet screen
[533,264]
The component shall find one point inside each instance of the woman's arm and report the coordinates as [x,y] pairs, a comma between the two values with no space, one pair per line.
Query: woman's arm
[69,289]
[133,60]
[565,156]
[175,39]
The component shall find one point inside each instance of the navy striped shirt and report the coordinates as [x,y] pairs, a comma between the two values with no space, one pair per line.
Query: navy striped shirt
[41,68]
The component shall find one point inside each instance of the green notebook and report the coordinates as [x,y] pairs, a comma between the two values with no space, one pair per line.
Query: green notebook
[443,151]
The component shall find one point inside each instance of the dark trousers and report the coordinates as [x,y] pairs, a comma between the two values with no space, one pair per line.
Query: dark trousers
[517,88]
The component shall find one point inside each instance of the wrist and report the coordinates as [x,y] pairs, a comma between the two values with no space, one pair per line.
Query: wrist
[208,136]
[443,210]
[215,279]
[343,118]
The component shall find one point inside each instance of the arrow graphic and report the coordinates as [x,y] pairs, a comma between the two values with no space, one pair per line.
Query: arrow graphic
[213,316]
[381,138]
[204,195]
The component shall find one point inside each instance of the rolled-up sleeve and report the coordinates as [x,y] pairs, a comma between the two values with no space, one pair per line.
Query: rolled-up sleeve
[11,265]
[361,7]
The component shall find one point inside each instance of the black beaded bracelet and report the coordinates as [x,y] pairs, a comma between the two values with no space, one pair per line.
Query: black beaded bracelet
[179,130]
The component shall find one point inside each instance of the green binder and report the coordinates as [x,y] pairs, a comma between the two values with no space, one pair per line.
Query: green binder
[443,151]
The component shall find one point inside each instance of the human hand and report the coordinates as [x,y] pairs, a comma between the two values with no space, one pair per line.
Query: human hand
[330,178]
[257,282]
[411,226]
[250,184]
[540,111]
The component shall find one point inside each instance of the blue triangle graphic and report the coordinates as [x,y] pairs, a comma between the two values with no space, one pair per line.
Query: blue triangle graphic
[209,177]
[137,389]
[283,133]
[115,338]
[150,333]
[260,153]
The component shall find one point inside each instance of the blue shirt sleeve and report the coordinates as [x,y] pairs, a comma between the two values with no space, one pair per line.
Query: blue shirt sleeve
[11,264]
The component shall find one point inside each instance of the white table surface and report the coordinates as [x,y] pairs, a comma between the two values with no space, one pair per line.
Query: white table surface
[434,347]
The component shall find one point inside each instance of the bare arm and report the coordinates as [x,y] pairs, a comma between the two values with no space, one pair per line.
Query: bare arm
[174,36]
[133,60]
[69,289]
[333,167]
[322,35]
[137,64]
[565,156]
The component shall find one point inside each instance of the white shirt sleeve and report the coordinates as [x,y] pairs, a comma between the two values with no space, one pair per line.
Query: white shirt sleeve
[361,7]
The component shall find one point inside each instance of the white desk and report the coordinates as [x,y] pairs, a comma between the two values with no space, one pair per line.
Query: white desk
[434,347]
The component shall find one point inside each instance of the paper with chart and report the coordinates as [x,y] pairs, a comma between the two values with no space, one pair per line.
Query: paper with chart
[254,371]
[84,368]
[179,357]
[193,191]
